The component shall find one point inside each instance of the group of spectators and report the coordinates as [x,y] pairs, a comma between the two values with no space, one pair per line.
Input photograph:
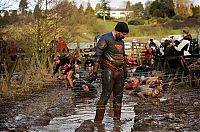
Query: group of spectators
[171,47]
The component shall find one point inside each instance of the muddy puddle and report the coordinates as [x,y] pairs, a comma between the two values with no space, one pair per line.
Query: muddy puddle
[84,109]
[57,109]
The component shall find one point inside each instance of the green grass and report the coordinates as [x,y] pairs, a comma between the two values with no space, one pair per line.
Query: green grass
[141,32]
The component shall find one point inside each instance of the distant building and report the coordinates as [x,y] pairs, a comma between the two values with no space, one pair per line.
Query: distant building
[120,14]
[114,13]
[2,12]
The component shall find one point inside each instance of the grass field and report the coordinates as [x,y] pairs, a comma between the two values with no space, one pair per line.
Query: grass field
[143,32]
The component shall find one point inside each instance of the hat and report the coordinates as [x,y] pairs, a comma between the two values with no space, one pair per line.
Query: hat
[122,27]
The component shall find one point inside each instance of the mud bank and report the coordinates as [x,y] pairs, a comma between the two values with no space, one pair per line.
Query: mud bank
[176,111]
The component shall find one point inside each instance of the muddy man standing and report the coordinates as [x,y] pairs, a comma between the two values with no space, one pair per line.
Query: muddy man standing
[110,57]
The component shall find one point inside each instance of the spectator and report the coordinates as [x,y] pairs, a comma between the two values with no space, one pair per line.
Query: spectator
[184,46]
[131,60]
[96,38]
[148,55]
[3,46]
[152,44]
[198,36]
[169,49]
[12,50]
[186,35]
[62,47]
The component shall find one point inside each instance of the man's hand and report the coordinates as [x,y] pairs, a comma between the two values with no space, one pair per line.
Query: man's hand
[92,77]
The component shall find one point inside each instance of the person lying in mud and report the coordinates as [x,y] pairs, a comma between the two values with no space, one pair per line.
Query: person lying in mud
[82,88]
[150,91]
[149,87]
[134,82]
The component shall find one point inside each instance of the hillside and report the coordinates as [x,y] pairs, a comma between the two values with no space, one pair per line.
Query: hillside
[144,32]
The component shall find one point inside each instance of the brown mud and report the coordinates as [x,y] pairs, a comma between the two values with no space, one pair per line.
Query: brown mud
[56,109]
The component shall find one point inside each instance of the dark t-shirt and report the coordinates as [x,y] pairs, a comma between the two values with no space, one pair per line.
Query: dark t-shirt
[63,60]
[111,49]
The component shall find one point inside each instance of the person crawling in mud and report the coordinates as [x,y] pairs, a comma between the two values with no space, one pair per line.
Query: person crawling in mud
[68,68]
[149,87]
[150,91]
[84,89]
[134,82]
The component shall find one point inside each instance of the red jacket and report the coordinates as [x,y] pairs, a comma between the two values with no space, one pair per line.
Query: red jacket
[130,60]
[12,49]
[148,53]
[62,45]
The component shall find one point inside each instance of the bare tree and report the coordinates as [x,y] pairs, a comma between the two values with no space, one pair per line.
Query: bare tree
[183,8]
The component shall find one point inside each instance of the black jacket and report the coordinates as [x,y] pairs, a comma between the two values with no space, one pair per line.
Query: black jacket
[63,60]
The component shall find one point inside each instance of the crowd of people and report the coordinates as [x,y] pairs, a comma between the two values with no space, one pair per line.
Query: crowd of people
[73,70]
[171,46]
[175,46]
[111,60]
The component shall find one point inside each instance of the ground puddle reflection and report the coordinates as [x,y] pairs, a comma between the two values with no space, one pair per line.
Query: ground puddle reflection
[85,110]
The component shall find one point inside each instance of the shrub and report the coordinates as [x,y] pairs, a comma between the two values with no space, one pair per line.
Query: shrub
[162,20]
[178,18]
[136,22]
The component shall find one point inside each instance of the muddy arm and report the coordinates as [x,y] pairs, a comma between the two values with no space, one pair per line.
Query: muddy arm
[143,93]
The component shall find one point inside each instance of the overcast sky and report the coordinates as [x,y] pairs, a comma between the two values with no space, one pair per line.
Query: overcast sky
[113,4]
[119,3]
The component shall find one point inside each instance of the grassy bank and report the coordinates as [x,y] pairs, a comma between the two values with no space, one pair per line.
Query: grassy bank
[143,32]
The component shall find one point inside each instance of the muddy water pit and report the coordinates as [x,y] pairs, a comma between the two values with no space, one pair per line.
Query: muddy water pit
[56,109]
